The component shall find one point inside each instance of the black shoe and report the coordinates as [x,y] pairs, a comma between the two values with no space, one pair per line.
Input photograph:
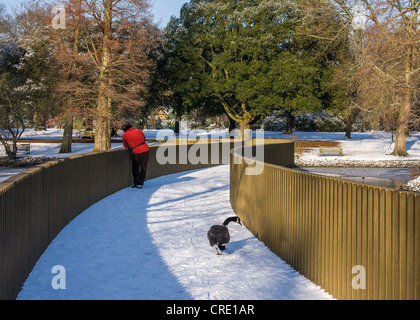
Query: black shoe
[136,186]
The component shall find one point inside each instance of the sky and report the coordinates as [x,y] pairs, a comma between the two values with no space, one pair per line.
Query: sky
[161,9]
[164,9]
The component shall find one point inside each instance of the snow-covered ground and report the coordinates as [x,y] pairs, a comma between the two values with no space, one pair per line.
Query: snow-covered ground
[51,150]
[413,185]
[152,244]
[367,146]
[7,172]
[364,148]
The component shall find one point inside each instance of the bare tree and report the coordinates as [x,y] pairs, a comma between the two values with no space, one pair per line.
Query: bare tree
[72,109]
[118,50]
[392,52]
[388,53]
[104,63]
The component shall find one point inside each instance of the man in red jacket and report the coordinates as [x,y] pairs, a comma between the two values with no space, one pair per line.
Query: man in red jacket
[135,140]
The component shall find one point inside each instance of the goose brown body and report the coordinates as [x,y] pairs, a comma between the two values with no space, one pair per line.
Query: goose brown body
[219,236]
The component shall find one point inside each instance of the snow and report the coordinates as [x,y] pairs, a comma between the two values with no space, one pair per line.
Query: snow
[7,172]
[49,150]
[413,185]
[364,148]
[367,149]
[50,133]
[152,244]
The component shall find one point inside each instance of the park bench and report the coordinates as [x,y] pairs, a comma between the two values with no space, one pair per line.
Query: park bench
[330,151]
[85,134]
[25,147]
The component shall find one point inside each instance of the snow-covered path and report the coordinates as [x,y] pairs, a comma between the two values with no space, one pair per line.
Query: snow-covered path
[152,244]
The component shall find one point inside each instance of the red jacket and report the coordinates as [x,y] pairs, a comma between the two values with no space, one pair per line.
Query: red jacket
[135,140]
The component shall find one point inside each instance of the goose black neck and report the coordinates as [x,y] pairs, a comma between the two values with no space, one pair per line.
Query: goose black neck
[228,220]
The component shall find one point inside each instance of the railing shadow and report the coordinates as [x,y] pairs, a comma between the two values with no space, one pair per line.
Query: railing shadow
[108,253]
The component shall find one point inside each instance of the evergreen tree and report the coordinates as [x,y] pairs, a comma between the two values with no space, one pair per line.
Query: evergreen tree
[245,56]
[26,73]
[13,106]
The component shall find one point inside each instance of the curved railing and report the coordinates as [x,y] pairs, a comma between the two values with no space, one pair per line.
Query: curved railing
[37,204]
[354,240]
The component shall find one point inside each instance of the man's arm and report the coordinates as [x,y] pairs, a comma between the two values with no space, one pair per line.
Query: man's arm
[125,144]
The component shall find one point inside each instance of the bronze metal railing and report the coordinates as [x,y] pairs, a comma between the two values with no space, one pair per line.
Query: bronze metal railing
[355,240]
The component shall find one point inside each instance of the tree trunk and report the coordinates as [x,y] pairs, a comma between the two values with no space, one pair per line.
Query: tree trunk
[68,135]
[348,131]
[232,126]
[246,133]
[178,120]
[290,123]
[77,29]
[405,111]
[218,122]
[402,129]
[11,150]
[103,128]
[103,134]
[177,127]
[66,143]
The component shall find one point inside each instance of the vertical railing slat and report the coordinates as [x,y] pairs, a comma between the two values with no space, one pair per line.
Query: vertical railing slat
[410,246]
[403,246]
[417,247]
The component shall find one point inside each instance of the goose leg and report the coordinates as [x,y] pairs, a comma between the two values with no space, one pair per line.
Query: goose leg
[217,249]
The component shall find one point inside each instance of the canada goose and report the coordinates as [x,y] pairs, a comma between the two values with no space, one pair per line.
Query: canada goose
[219,236]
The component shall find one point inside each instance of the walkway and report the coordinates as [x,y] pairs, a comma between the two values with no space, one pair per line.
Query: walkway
[152,244]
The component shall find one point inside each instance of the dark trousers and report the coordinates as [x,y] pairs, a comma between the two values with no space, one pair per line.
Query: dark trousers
[139,166]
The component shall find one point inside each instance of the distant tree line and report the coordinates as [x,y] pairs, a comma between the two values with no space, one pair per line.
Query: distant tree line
[244,60]
[252,58]
[98,67]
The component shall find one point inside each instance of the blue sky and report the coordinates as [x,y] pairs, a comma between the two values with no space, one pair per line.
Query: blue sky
[162,9]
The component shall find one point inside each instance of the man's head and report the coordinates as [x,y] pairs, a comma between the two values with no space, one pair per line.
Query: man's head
[126,127]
